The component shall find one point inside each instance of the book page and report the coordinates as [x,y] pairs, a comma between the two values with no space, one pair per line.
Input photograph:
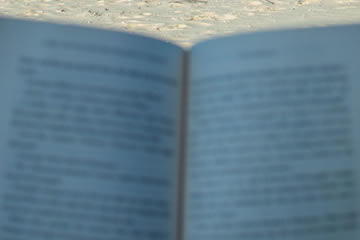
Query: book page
[88,133]
[274,137]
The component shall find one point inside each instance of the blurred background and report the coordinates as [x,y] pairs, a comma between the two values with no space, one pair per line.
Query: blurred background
[187,21]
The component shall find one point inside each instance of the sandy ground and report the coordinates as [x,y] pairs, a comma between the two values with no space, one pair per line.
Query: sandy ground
[187,21]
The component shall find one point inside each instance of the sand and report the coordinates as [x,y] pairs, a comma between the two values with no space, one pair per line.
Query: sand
[187,21]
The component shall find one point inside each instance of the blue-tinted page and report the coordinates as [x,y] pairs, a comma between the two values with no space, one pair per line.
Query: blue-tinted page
[88,133]
[273,140]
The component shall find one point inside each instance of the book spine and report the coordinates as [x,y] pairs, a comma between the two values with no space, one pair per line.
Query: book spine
[182,149]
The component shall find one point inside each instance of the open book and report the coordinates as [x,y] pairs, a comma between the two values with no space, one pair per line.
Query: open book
[107,135]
